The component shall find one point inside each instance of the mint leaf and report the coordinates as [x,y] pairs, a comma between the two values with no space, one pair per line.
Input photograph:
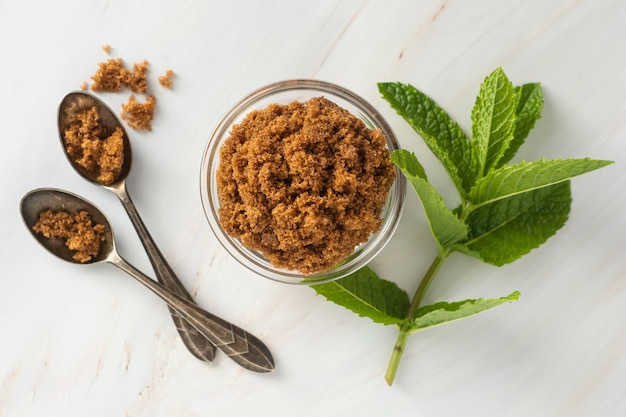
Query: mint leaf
[515,179]
[527,113]
[445,226]
[445,312]
[441,134]
[493,122]
[507,229]
[367,295]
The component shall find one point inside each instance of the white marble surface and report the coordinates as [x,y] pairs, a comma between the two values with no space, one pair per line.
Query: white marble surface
[89,341]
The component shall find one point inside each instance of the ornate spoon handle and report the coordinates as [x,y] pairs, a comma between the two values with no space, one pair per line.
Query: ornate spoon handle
[196,342]
[242,347]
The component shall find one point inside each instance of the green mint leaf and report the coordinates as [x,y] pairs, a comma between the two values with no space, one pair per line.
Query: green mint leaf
[441,134]
[367,295]
[503,231]
[528,112]
[445,226]
[519,178]
[493,122]
[444,312]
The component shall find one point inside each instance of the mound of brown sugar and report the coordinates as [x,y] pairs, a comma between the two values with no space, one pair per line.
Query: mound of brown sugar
[77,229]
[139,115]
[88,146]
[303,183]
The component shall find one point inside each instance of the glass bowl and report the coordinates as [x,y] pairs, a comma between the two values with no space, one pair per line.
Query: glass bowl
[285,92]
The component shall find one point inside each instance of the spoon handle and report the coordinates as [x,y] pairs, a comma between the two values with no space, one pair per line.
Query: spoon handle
[242,347]
[195,341]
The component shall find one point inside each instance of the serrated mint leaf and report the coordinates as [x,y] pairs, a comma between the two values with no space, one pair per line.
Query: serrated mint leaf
[519,178]
[441,134]
[527,113]
[493,122]
[445,312]
[445,226]
[367,295]
[507,229]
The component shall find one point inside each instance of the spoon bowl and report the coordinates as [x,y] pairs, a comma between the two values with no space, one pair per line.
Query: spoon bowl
[69,110]
[242,347]
[38,201]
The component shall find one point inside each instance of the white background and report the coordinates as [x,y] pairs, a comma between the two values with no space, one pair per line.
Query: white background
[89,341]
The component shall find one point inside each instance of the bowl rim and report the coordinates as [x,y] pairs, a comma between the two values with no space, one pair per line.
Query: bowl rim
[369,249]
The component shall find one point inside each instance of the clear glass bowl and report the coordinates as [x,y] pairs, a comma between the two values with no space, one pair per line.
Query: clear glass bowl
[285,92]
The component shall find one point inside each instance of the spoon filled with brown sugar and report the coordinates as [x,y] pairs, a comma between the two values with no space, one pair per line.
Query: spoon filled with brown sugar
[97,146]
[76,231]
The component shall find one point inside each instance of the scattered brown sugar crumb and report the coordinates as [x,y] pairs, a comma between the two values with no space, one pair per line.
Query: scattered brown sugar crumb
[78,230]
[84,86]
[110,77]
[137,80]
[107,49]
[166,79]
[303,183]
[88,145]
[113,76]
[139,115]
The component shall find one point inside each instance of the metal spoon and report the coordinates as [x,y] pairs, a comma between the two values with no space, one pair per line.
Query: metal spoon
[241,346]
[71,105]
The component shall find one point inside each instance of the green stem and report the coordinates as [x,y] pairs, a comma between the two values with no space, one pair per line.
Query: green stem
[403,335]
[394,361]
[423,287]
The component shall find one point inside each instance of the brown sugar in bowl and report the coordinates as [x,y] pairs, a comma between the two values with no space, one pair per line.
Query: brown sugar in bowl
[312,248]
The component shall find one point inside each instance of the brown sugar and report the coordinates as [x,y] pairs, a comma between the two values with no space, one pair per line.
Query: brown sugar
[78,230]
[304,183]
[166,79]
[106,49]
[88,146]
[111,76]
[139,115]
[137,79]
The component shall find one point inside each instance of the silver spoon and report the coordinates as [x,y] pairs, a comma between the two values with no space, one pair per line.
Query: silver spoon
[241,346]
[72,104]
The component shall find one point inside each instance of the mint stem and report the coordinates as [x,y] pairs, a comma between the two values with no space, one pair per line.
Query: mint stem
[394,361]
[423,287]
[398,348]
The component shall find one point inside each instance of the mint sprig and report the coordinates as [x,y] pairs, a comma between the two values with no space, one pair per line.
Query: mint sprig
[506,209]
